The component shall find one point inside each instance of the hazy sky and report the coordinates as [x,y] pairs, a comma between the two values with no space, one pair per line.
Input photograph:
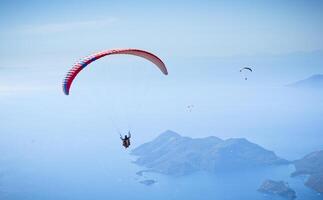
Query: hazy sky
[182,28]
[203,43]
[52,35]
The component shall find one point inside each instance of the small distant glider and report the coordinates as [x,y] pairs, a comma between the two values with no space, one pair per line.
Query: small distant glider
[245,70]
[190,108]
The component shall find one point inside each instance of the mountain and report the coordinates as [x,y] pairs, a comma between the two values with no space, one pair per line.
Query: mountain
[312,165]
[314,82]
[173,154]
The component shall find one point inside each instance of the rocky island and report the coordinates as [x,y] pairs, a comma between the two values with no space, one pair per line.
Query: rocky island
[172,154]
[279,188]
[148,182]
[311,165]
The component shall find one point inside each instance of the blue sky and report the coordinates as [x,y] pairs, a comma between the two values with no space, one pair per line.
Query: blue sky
[182,28]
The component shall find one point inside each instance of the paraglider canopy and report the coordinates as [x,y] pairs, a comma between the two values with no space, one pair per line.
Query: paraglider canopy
[70,76]
[246,68]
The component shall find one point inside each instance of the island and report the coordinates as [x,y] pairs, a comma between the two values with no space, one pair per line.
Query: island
[279,188]
[173,154]
[312,166]
[148,182]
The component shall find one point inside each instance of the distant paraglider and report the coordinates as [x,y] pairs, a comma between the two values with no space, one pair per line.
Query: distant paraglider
[190,108]
[245,71]
[70,76]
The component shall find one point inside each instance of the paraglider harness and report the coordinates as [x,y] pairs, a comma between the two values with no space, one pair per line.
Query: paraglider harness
[126,140]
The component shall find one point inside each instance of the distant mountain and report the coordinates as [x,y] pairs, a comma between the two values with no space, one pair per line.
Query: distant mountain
[312,165]
[314,82]
[173,154]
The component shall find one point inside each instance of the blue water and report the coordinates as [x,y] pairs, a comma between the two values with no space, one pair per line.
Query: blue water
[98,175]
[91,166]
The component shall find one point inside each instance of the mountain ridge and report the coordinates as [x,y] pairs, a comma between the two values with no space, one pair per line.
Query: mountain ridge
[173,154]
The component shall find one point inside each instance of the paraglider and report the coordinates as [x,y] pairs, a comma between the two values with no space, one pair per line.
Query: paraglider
[79,66]
[190,108]
[126,140]
[70,76]
[244,71]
